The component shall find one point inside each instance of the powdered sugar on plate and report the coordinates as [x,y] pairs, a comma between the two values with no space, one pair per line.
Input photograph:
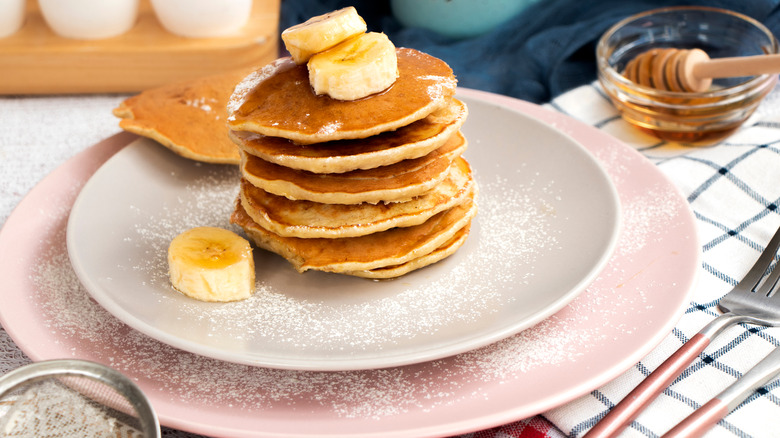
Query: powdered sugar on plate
[187,378]
[505,278]
[634,300]
[513,221]
[364,315]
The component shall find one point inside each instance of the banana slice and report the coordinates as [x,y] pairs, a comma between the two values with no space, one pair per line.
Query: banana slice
[211,264]
[322,32]
[355,68]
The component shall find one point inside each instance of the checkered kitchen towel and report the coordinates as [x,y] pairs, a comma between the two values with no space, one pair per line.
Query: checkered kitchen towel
[734,191]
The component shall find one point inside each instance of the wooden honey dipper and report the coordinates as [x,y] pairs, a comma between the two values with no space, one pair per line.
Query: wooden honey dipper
[692,70]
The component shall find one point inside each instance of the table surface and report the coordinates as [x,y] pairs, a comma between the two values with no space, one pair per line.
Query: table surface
[39,133]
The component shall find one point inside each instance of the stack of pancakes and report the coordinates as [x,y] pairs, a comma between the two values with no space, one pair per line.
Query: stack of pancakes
[374,187]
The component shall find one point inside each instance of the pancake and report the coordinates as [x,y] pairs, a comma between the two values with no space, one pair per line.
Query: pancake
[408,142]
[278,101]
[397,182]
[438,254]
[308,219]
[187,117]
[393,247]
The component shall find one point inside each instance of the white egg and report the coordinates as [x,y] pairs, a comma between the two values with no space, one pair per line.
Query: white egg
[202,18]
[89,19]
[12,14]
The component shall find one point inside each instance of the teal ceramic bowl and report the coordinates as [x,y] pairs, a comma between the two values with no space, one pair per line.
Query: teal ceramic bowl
[457,18]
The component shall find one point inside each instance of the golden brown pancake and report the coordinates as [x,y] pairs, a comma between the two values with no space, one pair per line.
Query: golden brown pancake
[408,142]
[397,182]
[278,101]
[308,219]
[187,117]
[438,254]
[393,247]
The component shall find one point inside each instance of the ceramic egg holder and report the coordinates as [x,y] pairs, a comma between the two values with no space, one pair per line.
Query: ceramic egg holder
[37,60]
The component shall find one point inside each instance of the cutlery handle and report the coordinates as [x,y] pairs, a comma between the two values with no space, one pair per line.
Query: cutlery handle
[706,416]
[634,403]
[700,421]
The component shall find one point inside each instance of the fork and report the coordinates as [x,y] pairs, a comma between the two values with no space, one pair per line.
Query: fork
[750,301]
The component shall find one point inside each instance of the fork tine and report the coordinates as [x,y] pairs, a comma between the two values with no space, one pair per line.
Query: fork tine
[758,270]
[769,287]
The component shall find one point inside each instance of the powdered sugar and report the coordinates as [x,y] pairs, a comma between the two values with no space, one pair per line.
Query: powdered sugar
[645,216]
[202,103]
[252,80]
[184,378]
[178,376]
[341,317]
[207,202]
[440,87]
[329,128]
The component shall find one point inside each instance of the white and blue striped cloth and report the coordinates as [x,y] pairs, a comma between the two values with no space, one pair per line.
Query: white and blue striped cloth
[733,189]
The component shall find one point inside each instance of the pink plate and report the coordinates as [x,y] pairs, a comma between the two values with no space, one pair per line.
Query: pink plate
[619,318]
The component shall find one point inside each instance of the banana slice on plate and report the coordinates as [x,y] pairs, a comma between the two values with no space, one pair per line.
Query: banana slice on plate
[322,32]
[355,68]
[211,264]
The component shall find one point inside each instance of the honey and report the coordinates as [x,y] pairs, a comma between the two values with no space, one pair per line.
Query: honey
[694,137]
[685,119]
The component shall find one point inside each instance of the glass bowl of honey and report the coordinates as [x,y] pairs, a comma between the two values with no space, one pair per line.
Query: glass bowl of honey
[685,116]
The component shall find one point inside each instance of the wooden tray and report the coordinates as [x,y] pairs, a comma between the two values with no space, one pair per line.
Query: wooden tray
[37,61]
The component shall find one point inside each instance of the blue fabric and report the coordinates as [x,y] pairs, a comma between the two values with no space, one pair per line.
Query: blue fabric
[540,53]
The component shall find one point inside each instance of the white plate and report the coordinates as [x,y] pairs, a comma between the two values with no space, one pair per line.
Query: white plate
[547,223]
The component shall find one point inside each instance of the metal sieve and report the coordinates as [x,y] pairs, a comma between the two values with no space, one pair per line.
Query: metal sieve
[73,398]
